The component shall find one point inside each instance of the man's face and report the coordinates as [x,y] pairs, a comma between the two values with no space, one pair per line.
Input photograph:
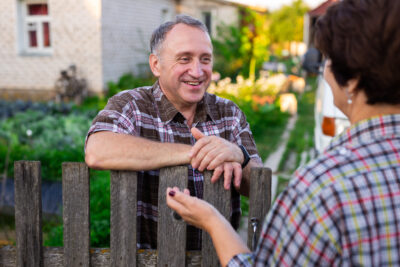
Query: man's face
[184,65]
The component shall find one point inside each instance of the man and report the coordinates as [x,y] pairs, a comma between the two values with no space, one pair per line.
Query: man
[148,128]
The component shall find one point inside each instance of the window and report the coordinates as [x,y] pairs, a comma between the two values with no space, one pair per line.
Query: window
[35,27]
[207,20]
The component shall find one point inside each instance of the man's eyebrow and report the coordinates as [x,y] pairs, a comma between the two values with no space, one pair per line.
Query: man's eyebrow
[187,53]
[183,54]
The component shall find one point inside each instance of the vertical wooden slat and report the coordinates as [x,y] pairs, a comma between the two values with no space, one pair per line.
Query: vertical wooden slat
[123,218]
[220,198]
[259,201]
[75,185]
[171,234]
[28,213]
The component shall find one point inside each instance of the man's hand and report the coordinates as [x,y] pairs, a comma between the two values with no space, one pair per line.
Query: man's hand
[209,152]
[218,154]
[229,169]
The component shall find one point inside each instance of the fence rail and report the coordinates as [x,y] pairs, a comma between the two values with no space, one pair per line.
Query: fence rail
[122,252]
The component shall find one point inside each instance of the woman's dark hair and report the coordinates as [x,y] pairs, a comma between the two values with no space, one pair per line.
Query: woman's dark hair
[362,39]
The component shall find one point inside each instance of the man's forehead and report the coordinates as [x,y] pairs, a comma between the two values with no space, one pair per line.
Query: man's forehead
[183,29]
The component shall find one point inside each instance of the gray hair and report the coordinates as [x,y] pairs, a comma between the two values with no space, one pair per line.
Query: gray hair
[158,36]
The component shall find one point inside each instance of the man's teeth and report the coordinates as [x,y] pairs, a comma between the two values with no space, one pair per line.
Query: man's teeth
[193,83]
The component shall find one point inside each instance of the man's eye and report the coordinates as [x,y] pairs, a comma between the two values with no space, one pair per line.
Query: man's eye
[206,60]
[184,59]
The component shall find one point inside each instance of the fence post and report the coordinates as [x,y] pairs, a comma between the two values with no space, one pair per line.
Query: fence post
[171,233]
[28,213]
[123,218]
[75,188]
[259,202]
[220,198]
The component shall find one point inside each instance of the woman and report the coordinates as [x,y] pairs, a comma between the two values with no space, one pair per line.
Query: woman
[343,208]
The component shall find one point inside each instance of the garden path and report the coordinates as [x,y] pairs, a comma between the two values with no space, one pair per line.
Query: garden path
[272,162]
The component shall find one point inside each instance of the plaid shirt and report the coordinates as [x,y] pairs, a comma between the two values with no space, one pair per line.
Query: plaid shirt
[343,208]
[146,112]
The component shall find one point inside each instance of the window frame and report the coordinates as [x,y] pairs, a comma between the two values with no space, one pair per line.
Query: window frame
[39,20]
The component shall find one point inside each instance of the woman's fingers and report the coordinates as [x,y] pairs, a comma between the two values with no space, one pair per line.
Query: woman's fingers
[193,210]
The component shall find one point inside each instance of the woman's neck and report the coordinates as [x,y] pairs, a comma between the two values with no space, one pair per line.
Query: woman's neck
[360,110]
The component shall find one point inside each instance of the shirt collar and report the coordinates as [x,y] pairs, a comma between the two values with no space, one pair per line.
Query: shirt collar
[369,130]
[168,112]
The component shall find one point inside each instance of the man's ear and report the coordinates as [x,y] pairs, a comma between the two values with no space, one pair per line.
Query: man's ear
[154,63]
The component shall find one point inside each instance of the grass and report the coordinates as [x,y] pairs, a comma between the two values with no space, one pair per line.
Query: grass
[269,141]
[266,143]
[302,136]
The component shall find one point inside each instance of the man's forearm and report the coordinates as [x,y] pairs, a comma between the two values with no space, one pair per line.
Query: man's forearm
[113,151]
[245,184]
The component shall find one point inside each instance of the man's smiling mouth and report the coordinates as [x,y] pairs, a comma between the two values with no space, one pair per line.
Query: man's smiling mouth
[193,83]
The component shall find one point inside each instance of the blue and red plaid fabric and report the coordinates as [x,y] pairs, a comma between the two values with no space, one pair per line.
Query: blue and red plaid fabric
[341,209]
[146,112]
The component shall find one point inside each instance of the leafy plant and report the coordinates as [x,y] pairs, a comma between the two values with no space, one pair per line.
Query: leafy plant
[287,25]
[99,214]
[258,100]
[51,139]
[128,81]
[242,50]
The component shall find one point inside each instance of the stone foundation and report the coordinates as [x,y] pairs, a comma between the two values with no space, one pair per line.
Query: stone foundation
[25,95]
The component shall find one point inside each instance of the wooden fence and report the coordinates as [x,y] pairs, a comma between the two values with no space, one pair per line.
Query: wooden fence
[122,252]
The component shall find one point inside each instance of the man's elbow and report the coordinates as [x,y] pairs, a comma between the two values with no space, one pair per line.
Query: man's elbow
[92,159]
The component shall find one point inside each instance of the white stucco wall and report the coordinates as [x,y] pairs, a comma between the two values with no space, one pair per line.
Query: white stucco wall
[75,37]
[221,12]
[103,38]
[126,29]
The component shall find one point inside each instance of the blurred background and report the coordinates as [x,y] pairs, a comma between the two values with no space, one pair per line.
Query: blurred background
[60,60]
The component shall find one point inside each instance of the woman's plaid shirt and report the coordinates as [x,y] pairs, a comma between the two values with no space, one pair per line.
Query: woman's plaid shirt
[343,208]
[146,112]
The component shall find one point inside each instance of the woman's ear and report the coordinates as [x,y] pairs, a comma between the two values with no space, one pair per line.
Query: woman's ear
[154,63]
[352,85]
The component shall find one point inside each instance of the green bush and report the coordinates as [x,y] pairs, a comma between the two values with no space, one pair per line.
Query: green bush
[99,214]
[51,139]
[56,135]
[128,81]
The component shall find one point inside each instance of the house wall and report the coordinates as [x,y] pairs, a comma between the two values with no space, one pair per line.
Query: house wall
[221,12]
[127,26]
[75,37]
[103,38]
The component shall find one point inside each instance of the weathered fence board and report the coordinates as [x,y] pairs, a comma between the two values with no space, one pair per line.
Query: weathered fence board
[221,200]
[123,218]
[171,231]
[99,257]
[259,202]
[28,213]
[75,184]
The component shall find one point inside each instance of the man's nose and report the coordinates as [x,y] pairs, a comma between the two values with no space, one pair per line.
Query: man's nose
[196,69]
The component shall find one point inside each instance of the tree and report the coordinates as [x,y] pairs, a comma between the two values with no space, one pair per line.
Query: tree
[287,23]
[242,50]
[255,40]
[228,59]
